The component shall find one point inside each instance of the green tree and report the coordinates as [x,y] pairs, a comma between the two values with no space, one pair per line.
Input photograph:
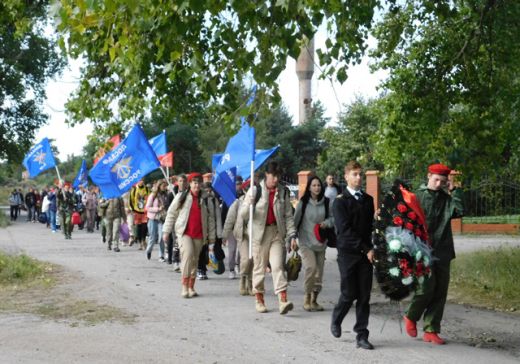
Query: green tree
[28,58]
[453,87]
[183,140]
[352,138]
[300,145]
[167,56]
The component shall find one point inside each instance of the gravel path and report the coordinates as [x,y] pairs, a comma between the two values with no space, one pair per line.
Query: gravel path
[221,326]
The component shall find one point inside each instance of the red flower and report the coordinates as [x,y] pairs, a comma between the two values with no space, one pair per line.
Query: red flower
[412,215]
[417,232]
[419,269]
[398,221]
[401,207]
[405,268]
[409,226]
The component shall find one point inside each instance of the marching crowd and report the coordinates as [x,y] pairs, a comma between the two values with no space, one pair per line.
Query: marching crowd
[190,224]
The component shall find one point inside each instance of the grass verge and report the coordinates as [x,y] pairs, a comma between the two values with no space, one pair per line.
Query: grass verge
[487,278]
[34,287]
[4,220]
[497,219]
[23,271]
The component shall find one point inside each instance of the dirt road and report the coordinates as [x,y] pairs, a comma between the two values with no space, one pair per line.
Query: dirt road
[220,326]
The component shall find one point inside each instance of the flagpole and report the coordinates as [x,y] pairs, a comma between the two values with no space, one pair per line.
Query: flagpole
[164,174]
[58,172]
[252,185]
[60,182]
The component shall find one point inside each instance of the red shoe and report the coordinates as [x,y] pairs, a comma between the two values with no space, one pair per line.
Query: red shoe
[433,337]
[410,326]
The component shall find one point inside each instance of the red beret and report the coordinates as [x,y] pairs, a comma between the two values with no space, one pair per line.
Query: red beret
[317,233]
[439,169]
[246,184]
[194,175]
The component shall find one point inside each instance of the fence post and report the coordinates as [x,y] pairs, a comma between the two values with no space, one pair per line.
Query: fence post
[373,186]
[456,224]
[303,176]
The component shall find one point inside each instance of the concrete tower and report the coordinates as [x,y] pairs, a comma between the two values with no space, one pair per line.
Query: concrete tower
[304,70]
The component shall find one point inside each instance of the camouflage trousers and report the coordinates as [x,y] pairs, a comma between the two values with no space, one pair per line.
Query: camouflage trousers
[66,224]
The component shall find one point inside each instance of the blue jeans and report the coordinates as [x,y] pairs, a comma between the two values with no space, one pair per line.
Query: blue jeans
[52,219]
[155,236]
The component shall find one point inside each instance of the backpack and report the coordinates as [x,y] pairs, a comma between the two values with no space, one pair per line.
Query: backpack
[330,233]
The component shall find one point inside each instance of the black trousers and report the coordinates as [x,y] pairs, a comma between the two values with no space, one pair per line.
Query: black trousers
[174,255]
[204,258]
[356,283]
[142,230]
[14,212]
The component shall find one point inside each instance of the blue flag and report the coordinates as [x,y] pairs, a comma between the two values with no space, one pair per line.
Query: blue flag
[39,158]
[125,165]
[158,144]
[224,184]
[81,179]
[244,169]
[239,150]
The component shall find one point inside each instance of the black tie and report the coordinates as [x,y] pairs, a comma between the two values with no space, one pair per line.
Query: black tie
[358,196]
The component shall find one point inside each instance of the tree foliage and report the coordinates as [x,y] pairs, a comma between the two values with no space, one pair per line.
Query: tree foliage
[453,87]
[28,58]
[352,138]
[167,56]
[300,145]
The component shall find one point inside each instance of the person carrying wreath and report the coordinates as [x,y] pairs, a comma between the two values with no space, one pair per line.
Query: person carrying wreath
[441,201]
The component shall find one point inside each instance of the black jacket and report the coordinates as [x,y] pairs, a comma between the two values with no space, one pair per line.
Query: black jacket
[30,199]
[354,222]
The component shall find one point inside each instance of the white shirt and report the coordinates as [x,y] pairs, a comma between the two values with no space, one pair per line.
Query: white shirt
[353,192]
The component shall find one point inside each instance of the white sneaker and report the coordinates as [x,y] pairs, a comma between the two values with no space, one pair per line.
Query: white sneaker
[161,259]
[176,267]
[232,275]
[200,276]
[53,231]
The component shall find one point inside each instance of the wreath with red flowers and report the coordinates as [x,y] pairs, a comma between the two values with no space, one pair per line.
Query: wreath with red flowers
[402,253]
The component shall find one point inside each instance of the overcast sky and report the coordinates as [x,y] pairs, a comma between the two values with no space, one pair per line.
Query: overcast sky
[70,140]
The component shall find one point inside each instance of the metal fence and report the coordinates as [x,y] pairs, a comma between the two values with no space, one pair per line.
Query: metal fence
[492,199]
[486,198]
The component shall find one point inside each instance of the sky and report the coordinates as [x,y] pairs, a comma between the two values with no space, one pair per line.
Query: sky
[70,140]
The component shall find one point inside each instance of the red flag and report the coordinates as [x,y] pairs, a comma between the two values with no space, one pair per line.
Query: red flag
[166,159]
[412,201]
[114,141]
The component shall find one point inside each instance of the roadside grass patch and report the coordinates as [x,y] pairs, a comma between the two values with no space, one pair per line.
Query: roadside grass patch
[487,278]
[34,287]
[496,219]
[4,220]
[22,270]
